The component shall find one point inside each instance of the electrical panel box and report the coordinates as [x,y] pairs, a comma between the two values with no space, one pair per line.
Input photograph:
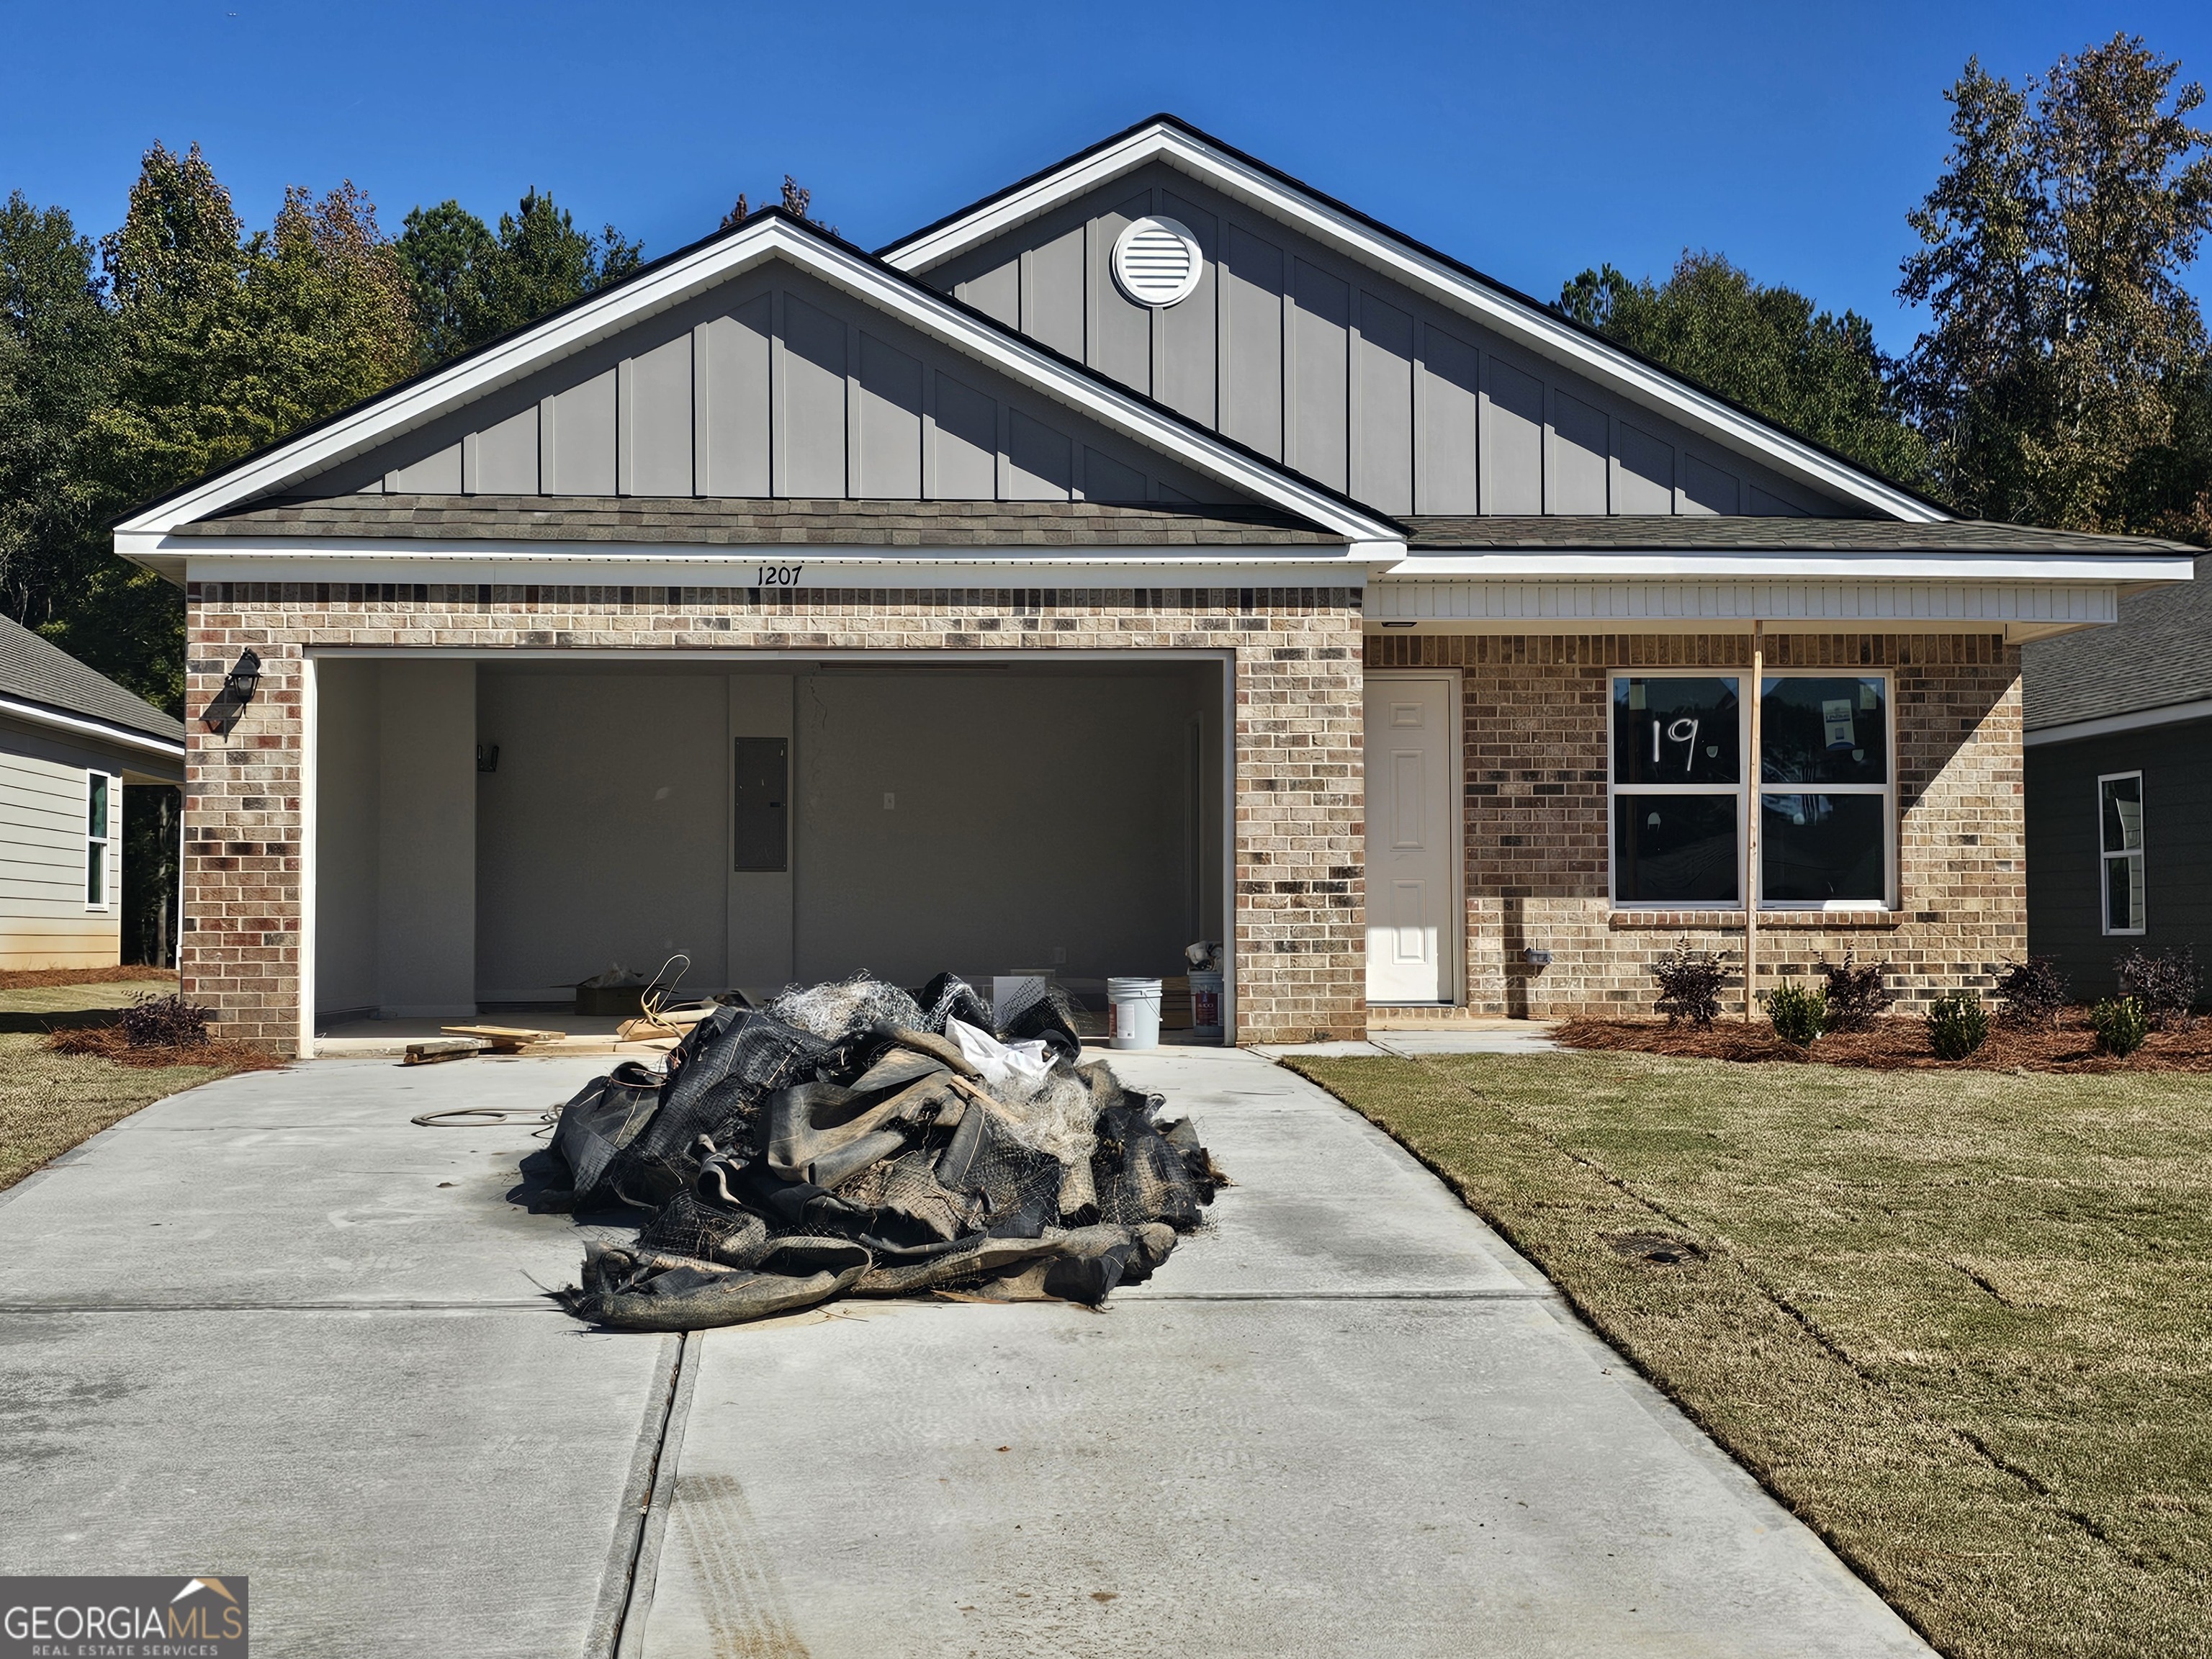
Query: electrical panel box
[763,811]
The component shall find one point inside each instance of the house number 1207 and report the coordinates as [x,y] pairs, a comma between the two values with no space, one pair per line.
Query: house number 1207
[778,575]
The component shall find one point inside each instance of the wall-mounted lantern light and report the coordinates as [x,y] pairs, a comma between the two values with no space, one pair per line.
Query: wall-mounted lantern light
[238,686]
[487,757]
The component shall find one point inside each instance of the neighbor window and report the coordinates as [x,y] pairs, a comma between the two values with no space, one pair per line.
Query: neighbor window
[2120,830]
[99,838]
[1825,794]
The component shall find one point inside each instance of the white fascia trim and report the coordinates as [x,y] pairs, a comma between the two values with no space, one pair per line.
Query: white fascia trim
[15,708]
[1528,326]
[654,565]
[595,319]
[2145,568]
[2142,719]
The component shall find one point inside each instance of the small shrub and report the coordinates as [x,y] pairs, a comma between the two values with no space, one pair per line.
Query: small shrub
[1799,1011]
[2031,994]
[169,1022]
[1855,994]
[1957,1025]
[1689,984]
[2121,1024]
[2166,985]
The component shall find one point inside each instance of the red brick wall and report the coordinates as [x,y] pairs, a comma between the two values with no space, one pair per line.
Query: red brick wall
[1299,890]
[1537,837]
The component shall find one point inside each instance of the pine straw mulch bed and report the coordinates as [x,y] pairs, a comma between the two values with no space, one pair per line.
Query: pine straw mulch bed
[31,979]
[1897,1043]
[108,1042]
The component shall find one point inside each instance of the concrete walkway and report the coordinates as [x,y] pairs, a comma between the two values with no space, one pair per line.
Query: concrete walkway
[270,1328]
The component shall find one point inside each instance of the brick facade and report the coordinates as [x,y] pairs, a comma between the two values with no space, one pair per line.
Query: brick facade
[1299,890]
[1535,730]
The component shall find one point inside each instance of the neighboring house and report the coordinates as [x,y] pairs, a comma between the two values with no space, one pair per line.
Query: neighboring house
[71,741]
[1156,551]
[2119,786]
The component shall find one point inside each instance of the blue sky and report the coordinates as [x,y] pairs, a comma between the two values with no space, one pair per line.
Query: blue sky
[1530,141]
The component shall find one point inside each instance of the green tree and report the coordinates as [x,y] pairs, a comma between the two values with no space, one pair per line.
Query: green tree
[2062,374]
[470,286]
[1768,349]
[220,346]
[57,368]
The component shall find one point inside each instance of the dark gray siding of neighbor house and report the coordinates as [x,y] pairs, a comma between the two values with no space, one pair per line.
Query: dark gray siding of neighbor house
[2065,914]
[773,384]
[1345,376]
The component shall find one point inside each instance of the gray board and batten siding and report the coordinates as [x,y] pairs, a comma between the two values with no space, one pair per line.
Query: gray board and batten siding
[2065,864]
[1345,376]
[771,383]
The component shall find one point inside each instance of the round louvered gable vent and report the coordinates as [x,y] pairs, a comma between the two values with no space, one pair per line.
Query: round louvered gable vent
[1157,262]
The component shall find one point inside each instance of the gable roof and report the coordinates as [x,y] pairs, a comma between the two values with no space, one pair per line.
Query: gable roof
[770,234]
[34,671]
[1517,316]
[2158,655]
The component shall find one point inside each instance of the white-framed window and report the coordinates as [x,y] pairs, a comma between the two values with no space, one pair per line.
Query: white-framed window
[102,802]
[1825,791]
[2120,843]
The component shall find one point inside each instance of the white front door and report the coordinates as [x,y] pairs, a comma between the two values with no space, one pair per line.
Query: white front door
[1412,838]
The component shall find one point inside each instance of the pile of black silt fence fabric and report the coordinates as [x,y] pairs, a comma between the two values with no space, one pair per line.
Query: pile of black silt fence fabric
[857,1139]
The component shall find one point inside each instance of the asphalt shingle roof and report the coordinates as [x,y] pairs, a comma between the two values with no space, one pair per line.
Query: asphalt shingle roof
[2159,654]
[35,670]
[1714,533]
[765,523]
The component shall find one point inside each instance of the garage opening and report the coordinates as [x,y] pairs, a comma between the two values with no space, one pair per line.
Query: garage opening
[489,833]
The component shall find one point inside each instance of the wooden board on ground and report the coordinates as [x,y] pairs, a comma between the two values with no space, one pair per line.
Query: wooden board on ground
[442,1048]
[505,1039]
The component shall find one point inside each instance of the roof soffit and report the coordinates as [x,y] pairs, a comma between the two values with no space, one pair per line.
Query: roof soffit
[1518,317]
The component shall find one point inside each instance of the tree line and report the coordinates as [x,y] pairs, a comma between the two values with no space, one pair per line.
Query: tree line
[2063,378]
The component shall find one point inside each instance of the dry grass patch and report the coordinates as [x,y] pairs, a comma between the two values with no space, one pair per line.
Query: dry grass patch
[1959,1322]
[49,1102]
[26,979]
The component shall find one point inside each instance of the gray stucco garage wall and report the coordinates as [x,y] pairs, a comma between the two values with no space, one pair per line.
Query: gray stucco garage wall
[2065,914]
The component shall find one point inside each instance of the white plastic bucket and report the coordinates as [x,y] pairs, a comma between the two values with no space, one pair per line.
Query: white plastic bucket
[1205,1007]
[1133,1013]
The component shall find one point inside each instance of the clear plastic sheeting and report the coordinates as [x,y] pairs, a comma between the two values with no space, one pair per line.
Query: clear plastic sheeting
[855,1138]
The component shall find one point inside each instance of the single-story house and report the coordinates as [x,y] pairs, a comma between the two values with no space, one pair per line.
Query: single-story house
[1156,551]
[2119,786]
[71,740]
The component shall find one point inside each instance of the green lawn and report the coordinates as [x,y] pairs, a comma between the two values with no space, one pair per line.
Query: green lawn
[51,1102]
[1960,1322]
[68,998]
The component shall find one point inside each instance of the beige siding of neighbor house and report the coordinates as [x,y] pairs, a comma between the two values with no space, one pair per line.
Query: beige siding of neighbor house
[45,922]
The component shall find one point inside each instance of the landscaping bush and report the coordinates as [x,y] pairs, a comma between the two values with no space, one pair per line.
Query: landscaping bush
[2121,1024]
[2029,993]
[1855,994]
[2165,985]
[169,1022]
[1689,984]
[1957,1025]
[1798,1012]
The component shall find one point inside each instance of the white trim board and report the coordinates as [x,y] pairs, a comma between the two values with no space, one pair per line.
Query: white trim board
[2145,569]
[39,714]
[2022,609]
[682,277]
[2142,719]
[1526,325]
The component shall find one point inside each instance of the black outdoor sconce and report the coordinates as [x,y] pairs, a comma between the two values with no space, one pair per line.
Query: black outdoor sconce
[1539,960]
[238,686]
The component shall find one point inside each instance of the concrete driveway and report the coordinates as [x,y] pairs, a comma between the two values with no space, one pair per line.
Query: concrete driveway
[270,1328]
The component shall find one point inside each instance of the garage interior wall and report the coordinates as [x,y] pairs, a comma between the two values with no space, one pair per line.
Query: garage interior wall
[978,819]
